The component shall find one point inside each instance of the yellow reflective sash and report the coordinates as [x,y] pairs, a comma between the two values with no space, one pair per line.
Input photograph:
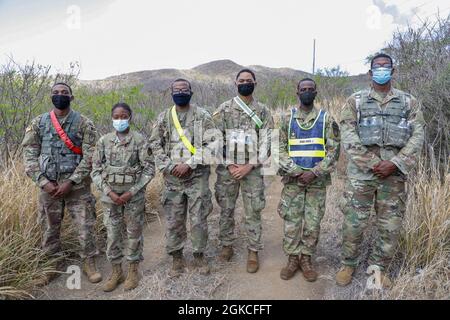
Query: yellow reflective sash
[180,131]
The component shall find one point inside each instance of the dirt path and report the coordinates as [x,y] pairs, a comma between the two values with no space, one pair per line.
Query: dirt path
[229,280]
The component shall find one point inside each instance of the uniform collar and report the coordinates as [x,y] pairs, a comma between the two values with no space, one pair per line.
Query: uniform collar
[115,138]
[305,116]
[189,114]
[63,119]
[393,93]
[252,104]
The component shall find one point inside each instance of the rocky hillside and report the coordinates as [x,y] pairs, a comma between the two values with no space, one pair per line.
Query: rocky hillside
[220,72]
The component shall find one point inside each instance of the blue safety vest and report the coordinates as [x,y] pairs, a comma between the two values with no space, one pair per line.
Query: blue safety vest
[307,145]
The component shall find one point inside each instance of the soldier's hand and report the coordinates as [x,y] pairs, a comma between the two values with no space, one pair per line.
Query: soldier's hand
[181,170]
[126,197]
[50,188]
[242,171]
[63,189]
[384,169]
[232,168]
[116,198]
[307,178]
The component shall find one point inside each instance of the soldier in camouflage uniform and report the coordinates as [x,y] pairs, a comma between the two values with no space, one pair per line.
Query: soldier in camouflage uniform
[382,134]
[309,149]
[63,175]
[241,120]
[186,178]
[121,169]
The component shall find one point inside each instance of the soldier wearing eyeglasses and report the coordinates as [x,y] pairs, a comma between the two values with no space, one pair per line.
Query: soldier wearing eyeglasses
[382,135]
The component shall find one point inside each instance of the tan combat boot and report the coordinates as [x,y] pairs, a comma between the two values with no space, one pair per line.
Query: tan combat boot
[115,278]
[132,280]
[201,264]
[307,268]
[177,264]
[90,270]
[386,283]
[289,271]
[344,276]
[252,262]
[55,269]
[226,254]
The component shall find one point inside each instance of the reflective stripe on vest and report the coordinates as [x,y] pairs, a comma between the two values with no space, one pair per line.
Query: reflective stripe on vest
[249,112]
[180,131]
[307,145]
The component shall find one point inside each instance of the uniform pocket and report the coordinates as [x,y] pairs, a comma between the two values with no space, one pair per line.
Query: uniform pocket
[396,135]
[288,195]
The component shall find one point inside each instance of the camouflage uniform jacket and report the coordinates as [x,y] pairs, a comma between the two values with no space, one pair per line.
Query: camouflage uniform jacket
[362,159]
[32,142]
[288,168]
[229,116]
[122,166]
[166,143]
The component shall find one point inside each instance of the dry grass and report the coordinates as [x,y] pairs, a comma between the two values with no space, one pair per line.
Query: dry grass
[425,245]
[21,262]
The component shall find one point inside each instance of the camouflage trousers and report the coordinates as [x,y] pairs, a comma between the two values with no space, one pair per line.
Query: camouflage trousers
[302,209]
[191,197]
[226,192]
[80,204]
[388,198]
[127,222]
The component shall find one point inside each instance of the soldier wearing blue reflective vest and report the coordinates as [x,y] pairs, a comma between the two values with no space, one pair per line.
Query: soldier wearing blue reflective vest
[309,149]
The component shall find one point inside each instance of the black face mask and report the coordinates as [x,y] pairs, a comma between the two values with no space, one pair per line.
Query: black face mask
[182,99]
[307,98]
[246,89]
[61,101]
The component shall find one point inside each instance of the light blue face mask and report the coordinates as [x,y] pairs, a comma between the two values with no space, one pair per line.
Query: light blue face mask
[121,124]
[382,75]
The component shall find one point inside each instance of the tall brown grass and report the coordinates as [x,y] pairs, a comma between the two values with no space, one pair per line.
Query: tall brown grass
[22,263]
[425,244]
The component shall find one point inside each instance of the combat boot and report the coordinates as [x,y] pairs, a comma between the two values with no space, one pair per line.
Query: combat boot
[226,254]
[115,278]
[344,276]
[177,263]
[291,268]
[55,269]
[201,264]
[252,262]
[386,283]
[307,268]
[132,280]
[90,270]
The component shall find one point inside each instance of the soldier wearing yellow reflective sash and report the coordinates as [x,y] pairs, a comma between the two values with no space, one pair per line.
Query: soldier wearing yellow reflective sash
[186,180]
[309,149]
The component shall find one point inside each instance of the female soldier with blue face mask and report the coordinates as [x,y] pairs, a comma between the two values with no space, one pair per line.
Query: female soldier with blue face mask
[122,167]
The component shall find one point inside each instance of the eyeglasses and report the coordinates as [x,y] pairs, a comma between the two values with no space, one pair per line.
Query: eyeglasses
[386,65]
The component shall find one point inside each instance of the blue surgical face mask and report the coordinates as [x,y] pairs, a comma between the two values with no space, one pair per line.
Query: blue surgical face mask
[382,75]
[121,124]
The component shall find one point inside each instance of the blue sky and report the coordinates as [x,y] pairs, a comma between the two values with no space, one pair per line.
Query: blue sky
[110,37]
